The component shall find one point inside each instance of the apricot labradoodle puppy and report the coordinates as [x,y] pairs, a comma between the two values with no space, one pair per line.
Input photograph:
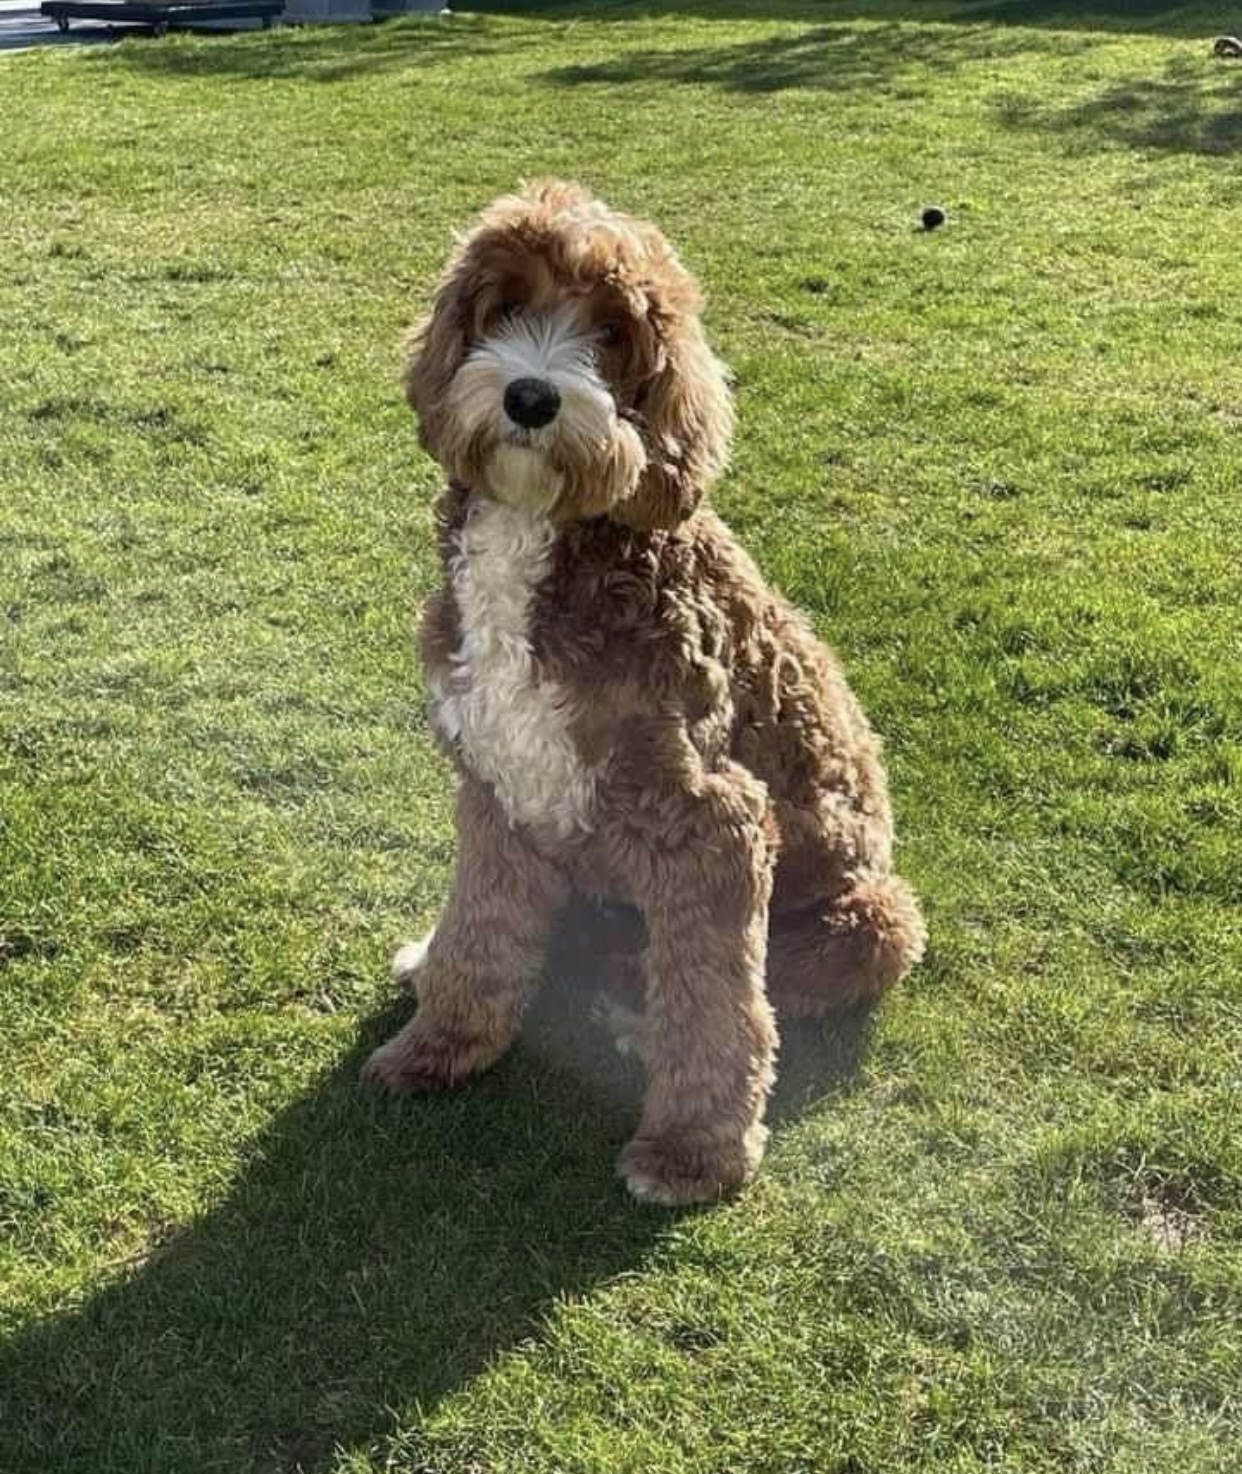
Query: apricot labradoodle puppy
[634,716]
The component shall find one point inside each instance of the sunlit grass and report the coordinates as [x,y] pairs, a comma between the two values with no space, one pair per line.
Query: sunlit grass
[999,465]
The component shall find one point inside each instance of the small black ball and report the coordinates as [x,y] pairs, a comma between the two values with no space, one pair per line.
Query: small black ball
[933,216]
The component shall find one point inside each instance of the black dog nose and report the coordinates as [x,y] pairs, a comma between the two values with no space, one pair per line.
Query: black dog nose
[532,403]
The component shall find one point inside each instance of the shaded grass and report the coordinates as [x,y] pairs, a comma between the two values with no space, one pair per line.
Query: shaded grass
[999,467]
[1186,18]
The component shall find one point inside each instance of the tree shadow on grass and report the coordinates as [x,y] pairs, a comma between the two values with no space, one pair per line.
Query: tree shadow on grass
[838,54]
[1190,108]
[1193,106]
[1165,17]
[836,58]
[374,1255]
[323,53]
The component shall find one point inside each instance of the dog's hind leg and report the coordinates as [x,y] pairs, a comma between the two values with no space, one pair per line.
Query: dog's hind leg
[482,959]
[844,949]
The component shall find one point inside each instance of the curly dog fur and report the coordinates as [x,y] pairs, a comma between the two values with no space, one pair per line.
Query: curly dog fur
[635,717]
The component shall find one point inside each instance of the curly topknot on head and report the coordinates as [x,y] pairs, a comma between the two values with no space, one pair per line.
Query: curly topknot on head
[591,313]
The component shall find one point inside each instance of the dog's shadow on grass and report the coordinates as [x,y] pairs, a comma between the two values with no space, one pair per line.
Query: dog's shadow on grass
[374,1255]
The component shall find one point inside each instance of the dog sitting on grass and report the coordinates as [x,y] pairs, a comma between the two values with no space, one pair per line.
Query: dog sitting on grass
[634,716]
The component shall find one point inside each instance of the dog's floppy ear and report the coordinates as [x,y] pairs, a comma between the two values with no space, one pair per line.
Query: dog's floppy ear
[686,414]
[435,347]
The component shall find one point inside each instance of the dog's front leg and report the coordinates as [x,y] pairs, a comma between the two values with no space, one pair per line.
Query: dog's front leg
[483,958]
[702,873]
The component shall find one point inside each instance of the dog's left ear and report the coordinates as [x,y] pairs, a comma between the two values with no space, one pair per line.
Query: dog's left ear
[686,411]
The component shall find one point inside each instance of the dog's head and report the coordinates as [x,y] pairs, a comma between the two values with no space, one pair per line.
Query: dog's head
[564,368]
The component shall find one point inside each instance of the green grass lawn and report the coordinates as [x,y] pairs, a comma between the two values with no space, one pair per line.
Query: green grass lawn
[1000,465]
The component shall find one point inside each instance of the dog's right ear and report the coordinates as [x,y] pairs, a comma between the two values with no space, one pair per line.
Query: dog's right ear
[435,348]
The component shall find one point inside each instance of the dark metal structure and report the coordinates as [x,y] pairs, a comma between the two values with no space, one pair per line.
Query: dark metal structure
[160,16]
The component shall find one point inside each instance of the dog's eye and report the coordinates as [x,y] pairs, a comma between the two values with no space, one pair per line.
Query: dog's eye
[496,318]
[611,334]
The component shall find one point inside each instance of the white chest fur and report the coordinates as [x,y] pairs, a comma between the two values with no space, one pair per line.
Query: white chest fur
[511,728]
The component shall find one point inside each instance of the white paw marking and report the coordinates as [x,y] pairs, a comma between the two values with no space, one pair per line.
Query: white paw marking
[410,959]
[625,1025]
[650,1189]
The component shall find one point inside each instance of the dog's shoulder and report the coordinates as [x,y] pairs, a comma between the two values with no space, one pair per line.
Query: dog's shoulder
[620,606]
[620,574]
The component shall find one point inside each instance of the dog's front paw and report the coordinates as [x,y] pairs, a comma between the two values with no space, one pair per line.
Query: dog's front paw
[418,1059]
[690,1166]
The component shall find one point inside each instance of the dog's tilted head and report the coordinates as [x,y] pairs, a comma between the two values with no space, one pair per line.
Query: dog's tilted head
[564,368]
